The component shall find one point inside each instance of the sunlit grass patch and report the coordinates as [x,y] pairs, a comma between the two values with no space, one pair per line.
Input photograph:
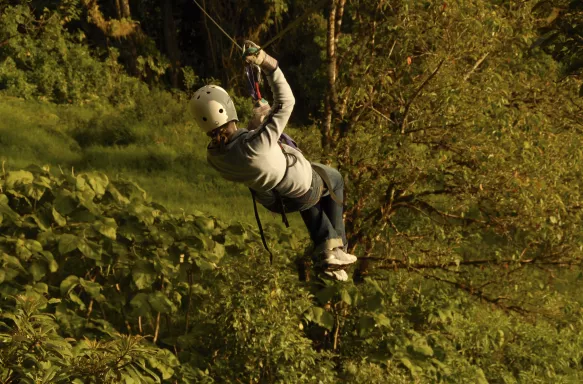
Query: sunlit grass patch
[29,133]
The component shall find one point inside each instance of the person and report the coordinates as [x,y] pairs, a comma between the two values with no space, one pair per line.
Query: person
[278,175]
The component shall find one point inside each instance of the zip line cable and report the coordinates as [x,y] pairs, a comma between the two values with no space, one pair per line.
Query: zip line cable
[276,37]
[218,26]
[295,23]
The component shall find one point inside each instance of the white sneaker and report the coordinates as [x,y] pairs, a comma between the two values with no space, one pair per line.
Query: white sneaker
[339,275]
[335,258]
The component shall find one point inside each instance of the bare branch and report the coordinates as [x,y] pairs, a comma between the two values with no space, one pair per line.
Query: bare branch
[5,41]
[478,63]
[417,92]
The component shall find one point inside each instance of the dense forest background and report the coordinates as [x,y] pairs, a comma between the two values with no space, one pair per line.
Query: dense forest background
[457,126]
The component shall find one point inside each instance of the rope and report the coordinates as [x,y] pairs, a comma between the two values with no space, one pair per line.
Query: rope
[218,26]
[261,227]
[276,37]
[295,23]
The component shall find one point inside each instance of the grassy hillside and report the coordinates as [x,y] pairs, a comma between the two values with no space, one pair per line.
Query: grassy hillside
[166,158]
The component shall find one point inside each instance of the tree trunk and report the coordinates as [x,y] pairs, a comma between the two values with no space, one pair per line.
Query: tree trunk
[125,8]
[172,49]
[132,41]
[118,12]
[331,72]
[331,101]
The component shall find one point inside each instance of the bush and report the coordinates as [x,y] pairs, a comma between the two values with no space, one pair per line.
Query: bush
[109,262]
[53,64]
[108,130]
[143,158]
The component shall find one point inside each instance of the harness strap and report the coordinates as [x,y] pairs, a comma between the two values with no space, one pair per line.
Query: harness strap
[261,227]
[279,198]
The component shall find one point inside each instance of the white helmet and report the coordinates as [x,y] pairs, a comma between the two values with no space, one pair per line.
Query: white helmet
[212,107]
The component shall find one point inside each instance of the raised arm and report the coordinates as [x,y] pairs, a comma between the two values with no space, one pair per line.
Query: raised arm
[283,101]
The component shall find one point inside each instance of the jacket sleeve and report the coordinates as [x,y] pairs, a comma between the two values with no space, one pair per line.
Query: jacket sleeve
[283,104]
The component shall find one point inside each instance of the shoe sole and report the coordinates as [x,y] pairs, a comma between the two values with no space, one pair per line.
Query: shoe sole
[332,267]
[334,277]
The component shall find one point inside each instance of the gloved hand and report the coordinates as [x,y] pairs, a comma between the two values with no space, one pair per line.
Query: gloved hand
[261,109]
[255,55]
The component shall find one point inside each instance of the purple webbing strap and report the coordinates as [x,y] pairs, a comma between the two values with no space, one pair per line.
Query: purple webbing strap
[251,81]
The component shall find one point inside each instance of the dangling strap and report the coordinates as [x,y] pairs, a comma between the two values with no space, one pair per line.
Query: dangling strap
[281,207]
[261,227]
[276,193]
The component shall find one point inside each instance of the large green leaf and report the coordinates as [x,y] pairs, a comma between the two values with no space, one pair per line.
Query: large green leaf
[205,224]
[142,212]
[68,243]
[34,191]
[117,196]
[321,317]
[67,284]
[345,296]
[98,181]
[143,274]
[59,219]
[326,294]
[37,270]
[15,178]
[366,325]
[205,265]
[22,251]
[6,211]
[92,288]
[40,221]
[164,362]
[65,203]
[90,249]
[12,262]
[107,227]
[161,303]
[49,258]
[140,304]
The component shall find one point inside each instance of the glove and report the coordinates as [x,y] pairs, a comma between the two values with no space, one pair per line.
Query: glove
[255,55]
[260,110]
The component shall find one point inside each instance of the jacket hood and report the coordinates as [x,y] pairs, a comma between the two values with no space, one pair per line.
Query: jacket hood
[218,151]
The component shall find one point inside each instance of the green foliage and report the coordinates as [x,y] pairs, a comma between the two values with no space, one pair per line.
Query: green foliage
[33,351]
[50,63]
[459,142]
[561,30]
[460,157]
[110,261]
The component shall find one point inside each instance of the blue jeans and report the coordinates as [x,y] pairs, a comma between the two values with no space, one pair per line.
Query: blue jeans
[321,214]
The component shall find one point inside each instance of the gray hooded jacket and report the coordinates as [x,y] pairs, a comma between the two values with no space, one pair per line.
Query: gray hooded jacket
[256,159]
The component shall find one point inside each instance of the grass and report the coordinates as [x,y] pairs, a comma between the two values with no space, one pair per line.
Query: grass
[166,158]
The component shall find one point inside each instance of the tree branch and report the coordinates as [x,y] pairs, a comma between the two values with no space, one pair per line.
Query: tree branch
[478,63]
[417,92]
[5,41]
[478,293]
[398,263]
